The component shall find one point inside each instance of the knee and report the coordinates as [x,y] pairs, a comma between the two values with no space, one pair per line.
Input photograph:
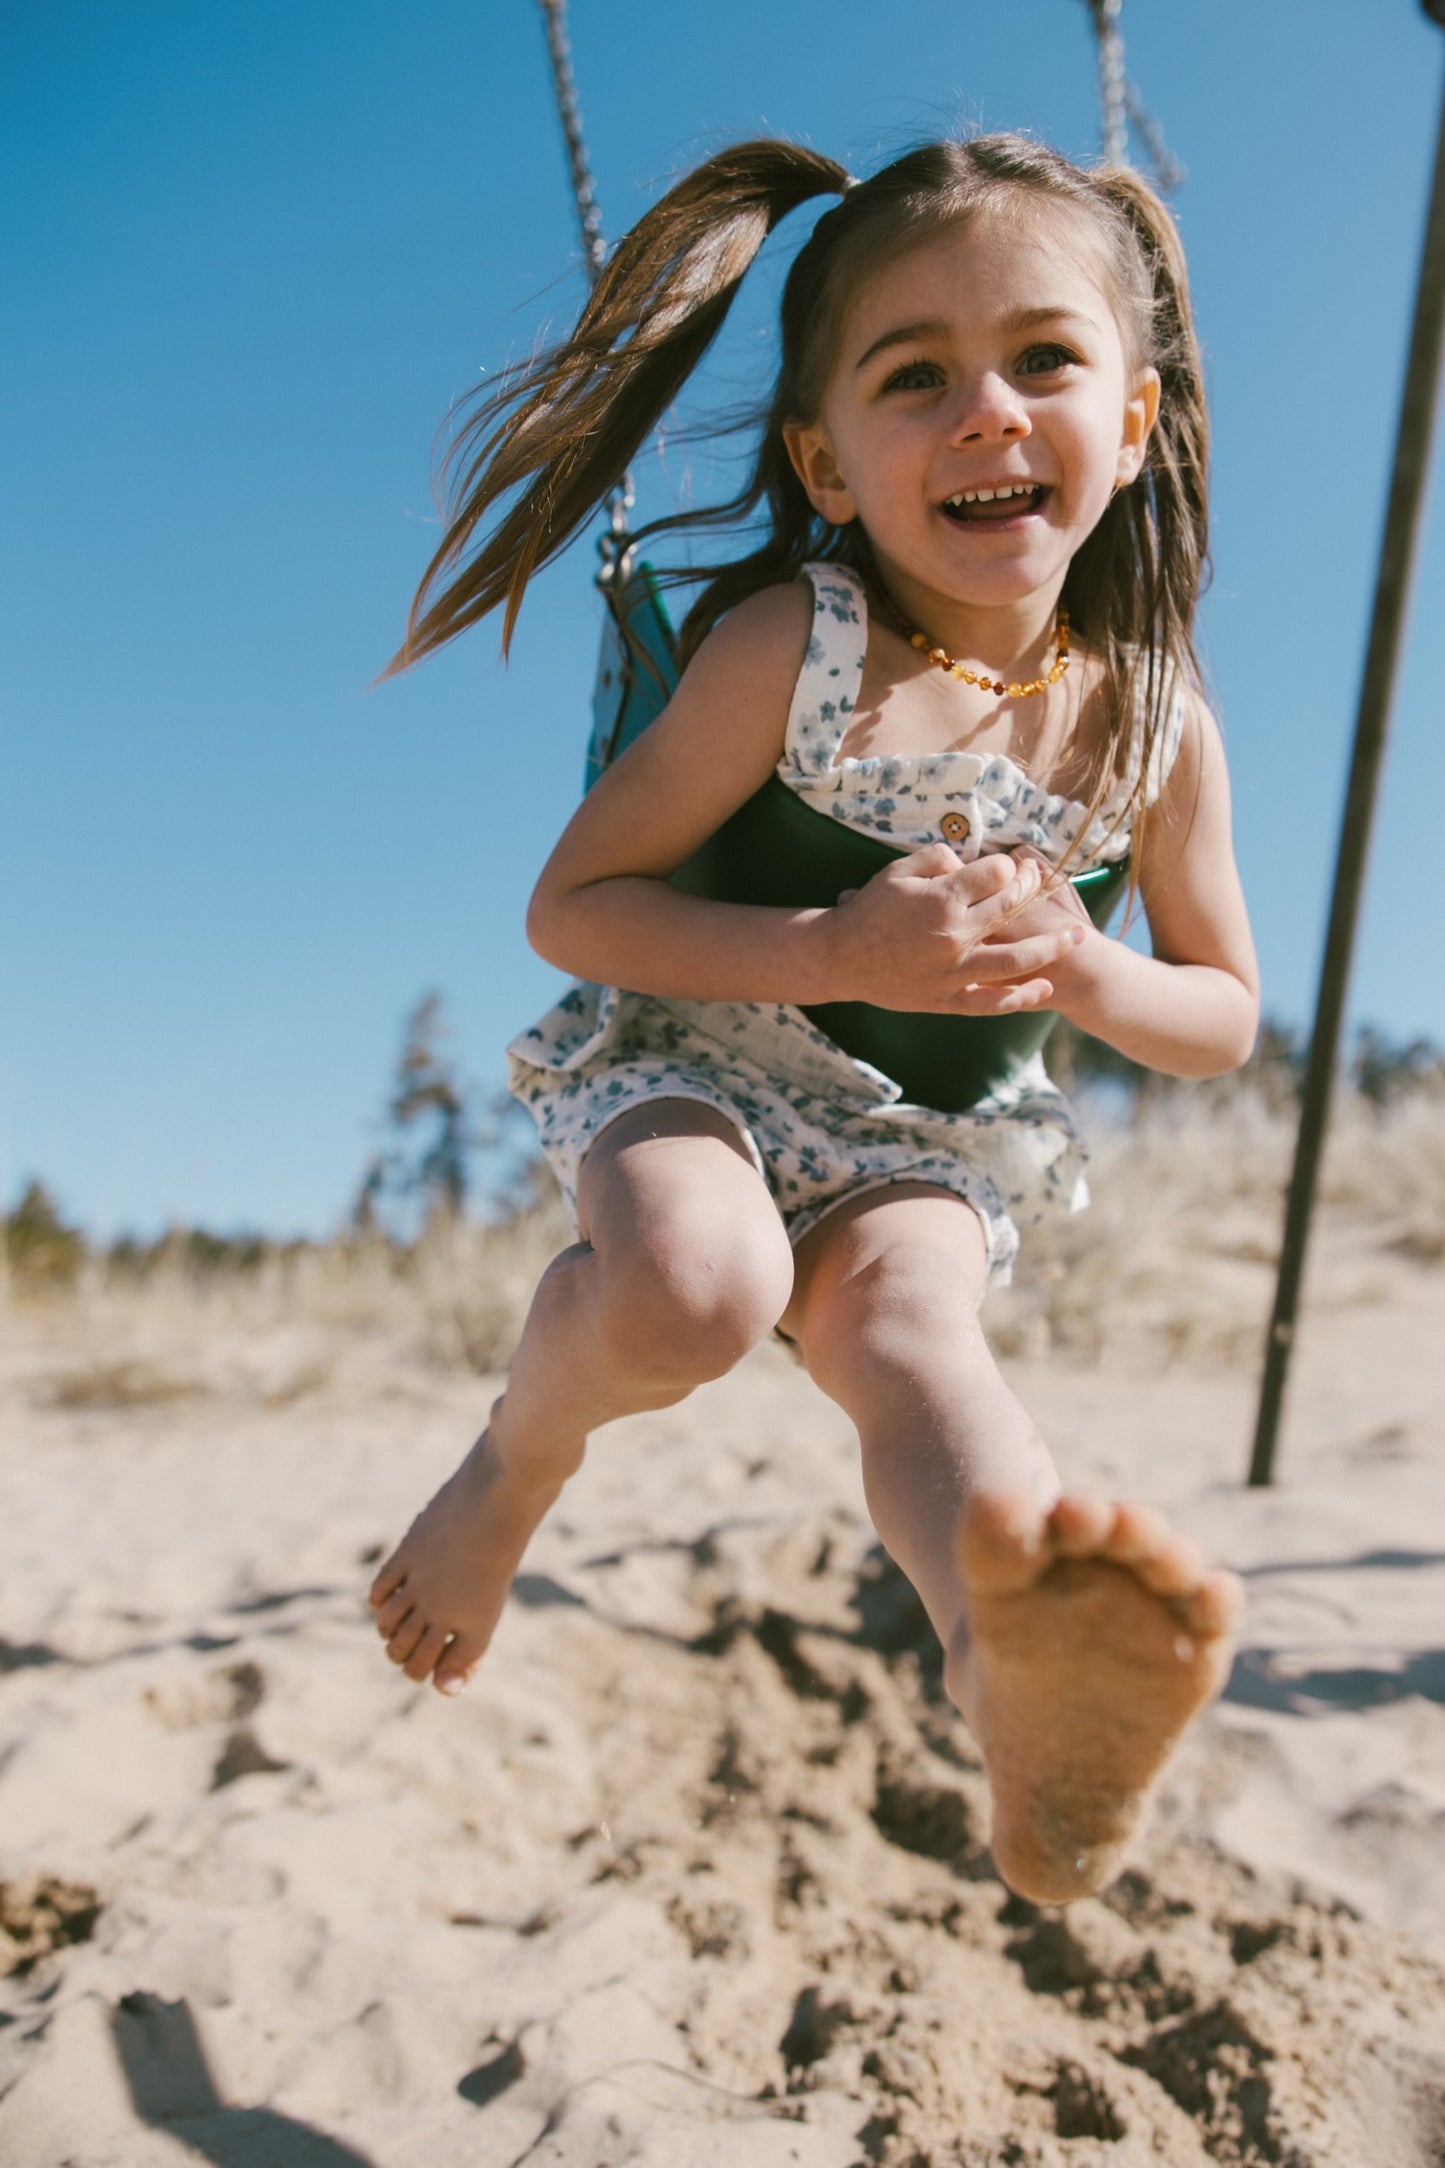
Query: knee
[885,1310]
[686,1298]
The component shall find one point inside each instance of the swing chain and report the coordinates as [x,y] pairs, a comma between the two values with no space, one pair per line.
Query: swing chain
[1166,168]
[589,217]
[1113,116]
[1121,107]
[615,546]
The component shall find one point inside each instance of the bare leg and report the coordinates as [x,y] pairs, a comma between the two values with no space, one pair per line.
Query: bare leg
[682,1267]
[1080,1637]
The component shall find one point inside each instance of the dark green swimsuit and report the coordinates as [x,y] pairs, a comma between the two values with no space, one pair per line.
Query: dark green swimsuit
[844,1097]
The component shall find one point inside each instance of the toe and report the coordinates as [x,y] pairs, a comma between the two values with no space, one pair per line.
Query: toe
[1004,1542]
[391,1613]
[461,1659]
[1081,1526]
[420,1663]
[406,1637]
[1139,1533]
[1215,1606]
[388,1579]
[1176,1570]
[1166,1563]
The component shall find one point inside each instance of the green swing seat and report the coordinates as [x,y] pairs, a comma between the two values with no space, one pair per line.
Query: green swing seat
[777,850]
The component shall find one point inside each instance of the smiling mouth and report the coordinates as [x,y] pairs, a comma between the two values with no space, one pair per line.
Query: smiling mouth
[975,507]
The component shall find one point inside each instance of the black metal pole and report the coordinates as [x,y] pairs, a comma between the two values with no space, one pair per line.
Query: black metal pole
[1392,590]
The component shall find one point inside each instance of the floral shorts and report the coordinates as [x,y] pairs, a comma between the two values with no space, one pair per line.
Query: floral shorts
[820,1126]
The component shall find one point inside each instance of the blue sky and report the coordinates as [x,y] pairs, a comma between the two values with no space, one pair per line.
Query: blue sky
[252,254]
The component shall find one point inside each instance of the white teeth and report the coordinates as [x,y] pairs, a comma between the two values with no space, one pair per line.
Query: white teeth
[990,496]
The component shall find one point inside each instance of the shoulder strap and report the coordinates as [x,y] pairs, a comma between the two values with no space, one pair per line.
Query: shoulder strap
[827,689]
[1166,745]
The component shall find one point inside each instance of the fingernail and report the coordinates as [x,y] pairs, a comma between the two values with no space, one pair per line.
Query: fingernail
[451,1686]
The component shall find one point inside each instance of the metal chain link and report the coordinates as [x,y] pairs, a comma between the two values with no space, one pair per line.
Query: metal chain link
[1120,105]
[1113,115]
[589,218]
[615,546]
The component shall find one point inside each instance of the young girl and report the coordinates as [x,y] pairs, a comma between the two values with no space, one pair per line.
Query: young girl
[967,630]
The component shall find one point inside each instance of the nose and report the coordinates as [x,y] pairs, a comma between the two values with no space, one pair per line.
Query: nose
[990,411]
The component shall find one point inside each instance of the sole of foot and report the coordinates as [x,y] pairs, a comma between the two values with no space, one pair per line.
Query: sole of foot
[438,1597]
[1093,1635]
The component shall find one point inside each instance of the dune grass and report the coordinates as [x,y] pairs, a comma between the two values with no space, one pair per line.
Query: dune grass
[1173,1263]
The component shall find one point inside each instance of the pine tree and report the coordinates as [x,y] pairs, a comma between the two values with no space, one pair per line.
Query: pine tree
[422,1174]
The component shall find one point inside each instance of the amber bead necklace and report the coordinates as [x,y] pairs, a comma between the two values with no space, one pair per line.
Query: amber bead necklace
[985,683]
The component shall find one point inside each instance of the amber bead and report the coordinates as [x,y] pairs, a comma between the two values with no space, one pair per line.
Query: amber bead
[1013,691]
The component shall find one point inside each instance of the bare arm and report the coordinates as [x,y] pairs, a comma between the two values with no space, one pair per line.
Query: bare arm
[911,938]
[1192,1008]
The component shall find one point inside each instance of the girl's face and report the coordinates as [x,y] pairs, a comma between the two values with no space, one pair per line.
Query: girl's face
[979,415]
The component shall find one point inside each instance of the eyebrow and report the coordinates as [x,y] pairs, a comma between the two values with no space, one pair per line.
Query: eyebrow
[931,328]
[903,335]
[1029,319]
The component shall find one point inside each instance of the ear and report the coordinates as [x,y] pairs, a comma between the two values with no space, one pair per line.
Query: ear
[1140,415]
[810,448]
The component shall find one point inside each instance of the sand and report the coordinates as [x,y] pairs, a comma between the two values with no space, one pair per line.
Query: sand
[697,1875]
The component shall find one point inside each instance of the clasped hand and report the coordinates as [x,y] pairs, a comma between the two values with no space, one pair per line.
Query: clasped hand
[984,939]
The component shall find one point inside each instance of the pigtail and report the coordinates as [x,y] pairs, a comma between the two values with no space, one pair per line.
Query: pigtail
[1178,460]
[562,430]
[1134,586]
[1171,512]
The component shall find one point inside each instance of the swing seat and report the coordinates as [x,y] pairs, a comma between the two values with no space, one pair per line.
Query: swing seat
[637,670]
[778,851]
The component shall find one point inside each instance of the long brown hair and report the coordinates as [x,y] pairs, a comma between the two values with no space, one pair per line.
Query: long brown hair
[539,454]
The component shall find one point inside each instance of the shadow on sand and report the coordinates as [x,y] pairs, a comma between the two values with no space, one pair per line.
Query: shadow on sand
[1266,1679]
[172,2089]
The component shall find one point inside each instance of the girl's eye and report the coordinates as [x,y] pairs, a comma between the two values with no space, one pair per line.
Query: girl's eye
[915,376]
[1044,360]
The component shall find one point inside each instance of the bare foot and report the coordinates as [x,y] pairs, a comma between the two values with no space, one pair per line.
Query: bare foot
[1093,1635]
[439,1595]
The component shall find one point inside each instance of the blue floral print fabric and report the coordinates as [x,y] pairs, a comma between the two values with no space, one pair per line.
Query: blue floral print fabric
[820,1125]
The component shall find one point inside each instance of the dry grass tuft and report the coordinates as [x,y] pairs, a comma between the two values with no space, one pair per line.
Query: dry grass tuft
[271,1330]
[1172,1264]
[120,1384]
[1174,1261]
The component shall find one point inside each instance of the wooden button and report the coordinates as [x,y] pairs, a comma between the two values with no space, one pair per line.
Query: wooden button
[954,827]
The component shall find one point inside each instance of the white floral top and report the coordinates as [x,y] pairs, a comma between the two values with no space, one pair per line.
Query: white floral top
[908,797]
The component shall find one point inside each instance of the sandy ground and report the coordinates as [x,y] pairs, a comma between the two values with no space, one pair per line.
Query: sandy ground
[697,1876]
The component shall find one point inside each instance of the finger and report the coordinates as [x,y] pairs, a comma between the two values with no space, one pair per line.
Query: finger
[1027,854]
[1037,923]
[1043,912]
[992,897]
[1009,1000]
[993,961]
[932,860]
